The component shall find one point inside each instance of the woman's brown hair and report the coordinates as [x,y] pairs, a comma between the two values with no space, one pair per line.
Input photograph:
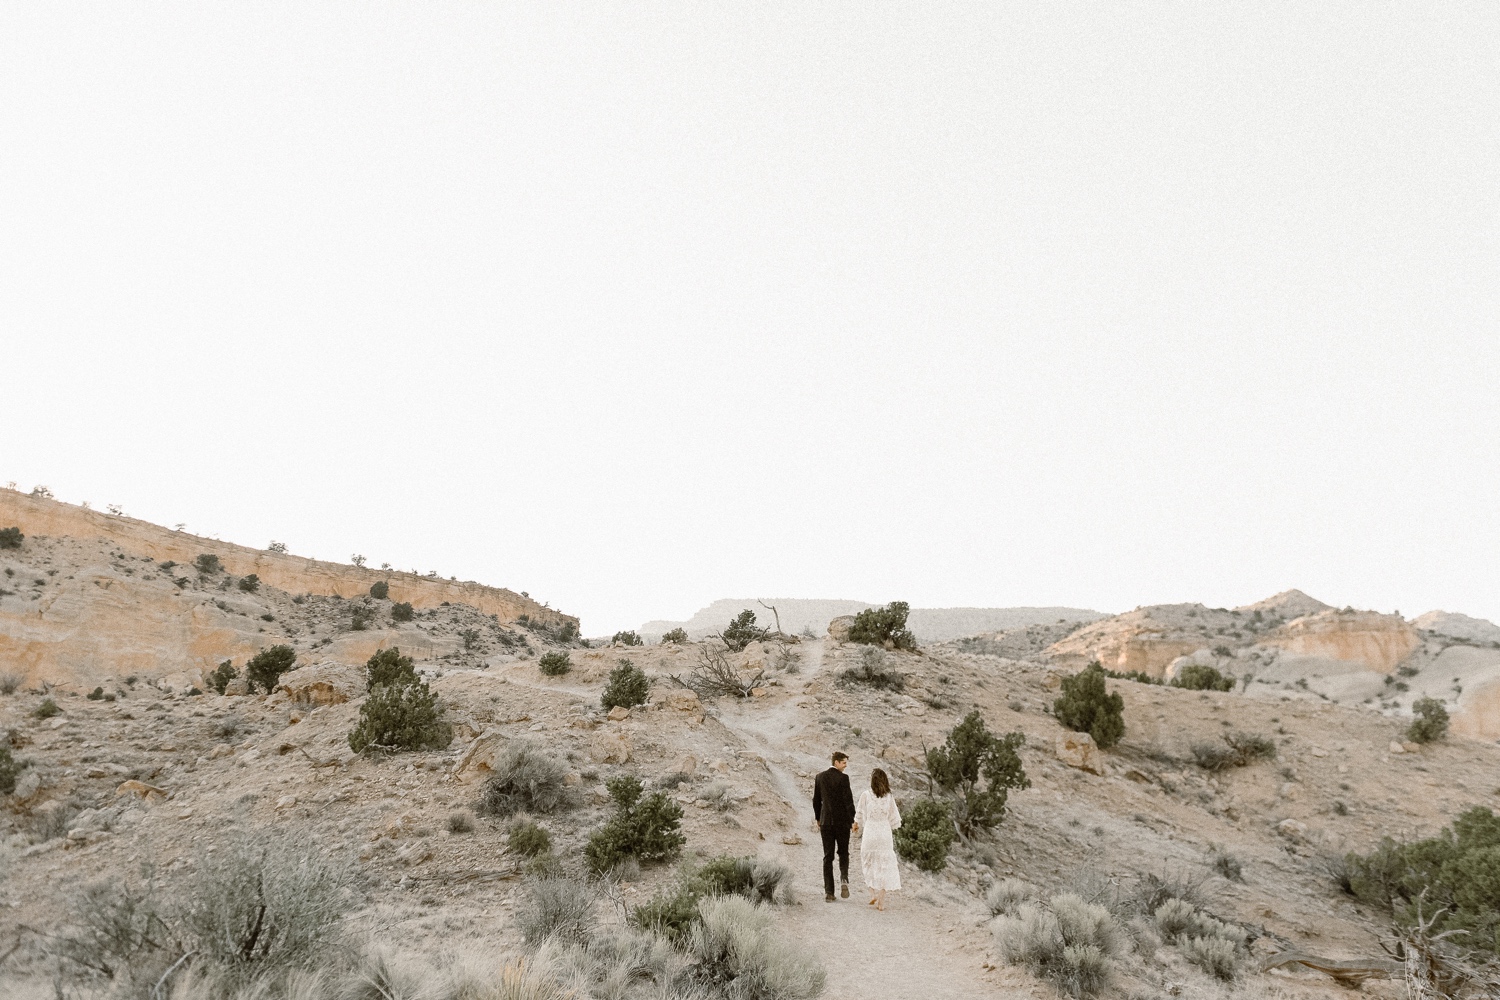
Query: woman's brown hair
[880,784]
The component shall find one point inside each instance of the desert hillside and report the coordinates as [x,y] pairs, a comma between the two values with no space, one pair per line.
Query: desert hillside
[800,615]
[137,783]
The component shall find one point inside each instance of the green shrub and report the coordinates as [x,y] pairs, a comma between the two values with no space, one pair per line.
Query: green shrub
[884,627]
[672,912]
[47,709]
[209,564]
[1085,707]
[1458,870]
[266,667]
[11,538]
[526,778]
[976,771]
[627,639]
[741,632]
[400,717]
[249,584]
[677,636]
[628,686]
[567,632]
[528,839]
[10,769]
[402,612]
[554,664]
[1430,722]
[380,590]
[1198,677]
[645,828]
[1132,675]
[926,834]
[222,675]
[389,667]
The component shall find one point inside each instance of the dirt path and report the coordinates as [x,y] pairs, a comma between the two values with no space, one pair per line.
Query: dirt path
[915,949]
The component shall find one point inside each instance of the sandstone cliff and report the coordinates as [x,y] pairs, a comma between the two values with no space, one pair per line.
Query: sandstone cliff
[293,574]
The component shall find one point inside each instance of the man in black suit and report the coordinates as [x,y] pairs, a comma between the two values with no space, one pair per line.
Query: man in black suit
[833,810]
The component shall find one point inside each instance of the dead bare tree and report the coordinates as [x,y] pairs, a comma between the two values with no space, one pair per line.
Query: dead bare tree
[715,676]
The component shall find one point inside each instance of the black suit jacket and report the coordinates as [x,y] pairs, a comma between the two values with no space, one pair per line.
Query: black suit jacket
[833,802]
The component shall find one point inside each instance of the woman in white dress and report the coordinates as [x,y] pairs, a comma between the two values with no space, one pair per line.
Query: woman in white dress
[876,817]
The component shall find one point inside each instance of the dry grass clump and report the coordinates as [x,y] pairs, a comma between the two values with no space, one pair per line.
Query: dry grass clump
[559,907]
[1208,943]
[735,952]
[526,778]
[1070,942]
[1240,749]
[1006,895]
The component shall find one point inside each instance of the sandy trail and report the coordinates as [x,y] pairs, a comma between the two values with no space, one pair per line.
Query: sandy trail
[905,952]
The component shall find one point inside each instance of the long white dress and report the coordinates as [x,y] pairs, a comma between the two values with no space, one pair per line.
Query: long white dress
[878,817]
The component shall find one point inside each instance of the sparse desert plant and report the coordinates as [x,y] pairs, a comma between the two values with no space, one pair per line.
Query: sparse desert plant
[718,795]
[976,770]
[627,639]
[1086,707]
[47,709]
[1226,864]
[558,907]
[11,538]
[873,673]
[10,681]
[387,667]
[554,664]
[741,632]
[1071,942]
[402,612]
[1207,942]
[926,834]
[208,564]
[736,953]
[113,928]
[221,676]
[1239,750]
[1151,890]
[249,584]
[263,902]
[628,686]
[1430,721]
[276,547]
[265,668]
[1214,955]
[528,838]
[1006,895]
[676,636]
[228,727]
[460,822]
[380,590]
[400,717]
[96,695]
[10,770]
[1200,677]
[884,627]
[647,828]
[526,778]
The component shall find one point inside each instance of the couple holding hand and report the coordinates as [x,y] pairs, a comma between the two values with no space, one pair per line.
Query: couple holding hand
[875,819]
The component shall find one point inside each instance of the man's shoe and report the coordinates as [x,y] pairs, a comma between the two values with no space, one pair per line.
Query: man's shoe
[844,891]
[829,898]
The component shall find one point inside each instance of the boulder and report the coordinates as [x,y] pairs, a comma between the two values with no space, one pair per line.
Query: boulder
[838,629]
[324,683]
[688,765]
[1292,829]
[680,699]
[1396,747]
[619,713]
[610,747]
[141,790]
[1078,750]
[27,786]
[482,753]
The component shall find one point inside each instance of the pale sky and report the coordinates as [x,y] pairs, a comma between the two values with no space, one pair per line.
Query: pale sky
[635,306]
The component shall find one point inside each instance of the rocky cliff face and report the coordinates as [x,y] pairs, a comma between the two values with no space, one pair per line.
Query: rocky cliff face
[293,574]
[90,600]
[1378,642]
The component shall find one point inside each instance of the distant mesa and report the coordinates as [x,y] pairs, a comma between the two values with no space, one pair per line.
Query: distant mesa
[1455,626]
[930,625]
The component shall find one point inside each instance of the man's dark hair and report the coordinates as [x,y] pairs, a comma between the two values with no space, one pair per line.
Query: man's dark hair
[839,755]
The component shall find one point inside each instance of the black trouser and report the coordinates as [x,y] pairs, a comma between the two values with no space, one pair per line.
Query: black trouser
[835,838]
